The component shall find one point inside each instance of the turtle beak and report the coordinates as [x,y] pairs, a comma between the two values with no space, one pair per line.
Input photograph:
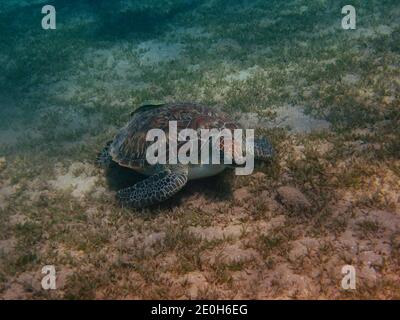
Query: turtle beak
[263,150]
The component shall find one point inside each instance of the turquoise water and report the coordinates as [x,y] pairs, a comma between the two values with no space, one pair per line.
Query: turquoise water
[326,97]
[104,59]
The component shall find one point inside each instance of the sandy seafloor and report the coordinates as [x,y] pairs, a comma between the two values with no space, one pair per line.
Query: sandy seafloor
[327,98]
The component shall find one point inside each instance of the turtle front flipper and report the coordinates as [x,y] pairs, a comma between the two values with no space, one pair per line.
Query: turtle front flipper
[104,158]
[156,188]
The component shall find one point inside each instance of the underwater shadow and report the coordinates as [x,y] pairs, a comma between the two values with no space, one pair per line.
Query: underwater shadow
[216,188]
[142,24]
[118,177]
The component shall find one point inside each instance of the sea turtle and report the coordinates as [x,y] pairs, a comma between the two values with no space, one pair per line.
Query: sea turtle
[128,149]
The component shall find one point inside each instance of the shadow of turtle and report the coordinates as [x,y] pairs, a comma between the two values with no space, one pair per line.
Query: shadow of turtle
[119,177]
[216,188]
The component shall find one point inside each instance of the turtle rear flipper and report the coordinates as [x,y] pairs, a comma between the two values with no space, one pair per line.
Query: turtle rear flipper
[104,158]
[156,188]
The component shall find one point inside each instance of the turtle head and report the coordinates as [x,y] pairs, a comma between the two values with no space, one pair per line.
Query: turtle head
[263,149]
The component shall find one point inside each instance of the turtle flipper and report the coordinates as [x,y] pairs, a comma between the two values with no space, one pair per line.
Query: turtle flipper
[156,188]
[263,149]
[104,159]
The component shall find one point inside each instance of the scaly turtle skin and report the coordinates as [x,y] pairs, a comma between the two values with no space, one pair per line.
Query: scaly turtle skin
[128,149]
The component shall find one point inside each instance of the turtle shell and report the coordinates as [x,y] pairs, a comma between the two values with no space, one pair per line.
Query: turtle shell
[130,145]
